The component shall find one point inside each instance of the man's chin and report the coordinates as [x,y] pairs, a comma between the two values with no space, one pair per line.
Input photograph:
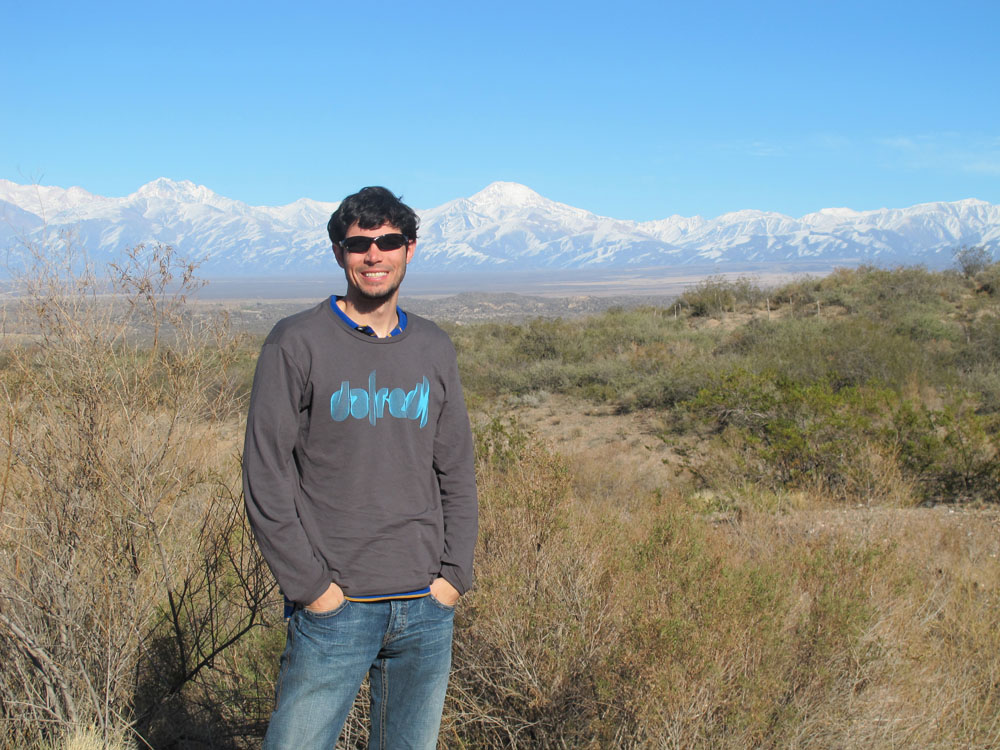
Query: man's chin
[376,296]
[380,296]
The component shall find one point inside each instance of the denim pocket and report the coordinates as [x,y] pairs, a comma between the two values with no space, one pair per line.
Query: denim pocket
[446,607]
[328,613]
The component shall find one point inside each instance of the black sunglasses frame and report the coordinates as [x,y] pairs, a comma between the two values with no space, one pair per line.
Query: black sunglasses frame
[384,242]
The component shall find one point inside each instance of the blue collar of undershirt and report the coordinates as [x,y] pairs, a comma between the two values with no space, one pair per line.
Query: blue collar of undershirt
[368,330]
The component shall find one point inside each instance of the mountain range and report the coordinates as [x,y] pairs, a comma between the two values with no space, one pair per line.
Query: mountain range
[504,226]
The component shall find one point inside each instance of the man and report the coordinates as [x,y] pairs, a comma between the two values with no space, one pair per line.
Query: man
[360,489]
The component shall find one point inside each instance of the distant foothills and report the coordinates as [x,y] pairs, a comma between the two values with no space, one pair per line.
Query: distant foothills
[505,227]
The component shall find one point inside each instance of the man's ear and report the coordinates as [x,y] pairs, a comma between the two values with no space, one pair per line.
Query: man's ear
[410,247]
[338,253]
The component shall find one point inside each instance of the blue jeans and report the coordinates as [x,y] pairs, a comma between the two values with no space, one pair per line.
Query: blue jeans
[405,648]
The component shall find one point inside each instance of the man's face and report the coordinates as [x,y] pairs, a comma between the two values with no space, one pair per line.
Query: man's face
[374,274]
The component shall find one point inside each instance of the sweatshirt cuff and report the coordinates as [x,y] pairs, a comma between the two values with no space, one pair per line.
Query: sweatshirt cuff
[307,596]
[453,575]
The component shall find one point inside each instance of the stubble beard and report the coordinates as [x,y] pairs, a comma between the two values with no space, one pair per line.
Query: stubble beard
[377,296]
[380,297]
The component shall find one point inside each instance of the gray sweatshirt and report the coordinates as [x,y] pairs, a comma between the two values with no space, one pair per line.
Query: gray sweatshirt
[358,462]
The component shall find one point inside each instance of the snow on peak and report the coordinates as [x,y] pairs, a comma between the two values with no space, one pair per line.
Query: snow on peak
[838,212]
[828,217]
[748,214]
[45,199]
[183,191]
[303,212]
[507,194]
[505,223]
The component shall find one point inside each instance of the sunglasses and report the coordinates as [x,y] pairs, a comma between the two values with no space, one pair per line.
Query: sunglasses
[360,244]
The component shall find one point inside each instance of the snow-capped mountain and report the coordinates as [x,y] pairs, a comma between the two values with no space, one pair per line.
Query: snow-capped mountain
[506,225]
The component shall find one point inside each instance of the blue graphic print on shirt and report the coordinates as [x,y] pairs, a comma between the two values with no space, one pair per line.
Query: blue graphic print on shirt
[371,403]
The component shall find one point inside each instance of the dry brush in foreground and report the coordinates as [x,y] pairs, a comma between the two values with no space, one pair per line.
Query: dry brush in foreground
[712,608]
[612,614]
[125,568]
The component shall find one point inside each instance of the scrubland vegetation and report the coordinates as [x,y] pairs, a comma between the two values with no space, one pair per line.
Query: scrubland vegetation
[751,561]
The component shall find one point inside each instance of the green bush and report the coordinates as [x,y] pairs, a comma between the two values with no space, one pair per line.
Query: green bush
[845,351]
[791,434]
[988,280]
[875,292]
[787,434]
[952,451]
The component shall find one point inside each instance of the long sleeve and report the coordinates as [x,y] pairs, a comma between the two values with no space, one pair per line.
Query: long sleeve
[454,464]
[270,479]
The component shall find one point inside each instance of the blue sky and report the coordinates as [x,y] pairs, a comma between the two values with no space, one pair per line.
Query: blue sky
[637,110]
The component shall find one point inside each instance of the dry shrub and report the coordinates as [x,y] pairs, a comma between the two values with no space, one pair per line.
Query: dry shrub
[730,476]
[875,477]
[610,611]
[536,652]
[608,614]
[624,621]
[940,686]
[718,294]
[125,567]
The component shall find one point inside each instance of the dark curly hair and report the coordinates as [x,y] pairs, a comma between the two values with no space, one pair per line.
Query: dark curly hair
[370,208]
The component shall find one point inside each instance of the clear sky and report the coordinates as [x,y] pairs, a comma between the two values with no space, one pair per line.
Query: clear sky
[636,110]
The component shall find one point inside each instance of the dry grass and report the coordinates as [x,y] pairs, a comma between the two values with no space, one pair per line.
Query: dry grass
[646,618]
[638,586]
[89,739]
[125,566]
